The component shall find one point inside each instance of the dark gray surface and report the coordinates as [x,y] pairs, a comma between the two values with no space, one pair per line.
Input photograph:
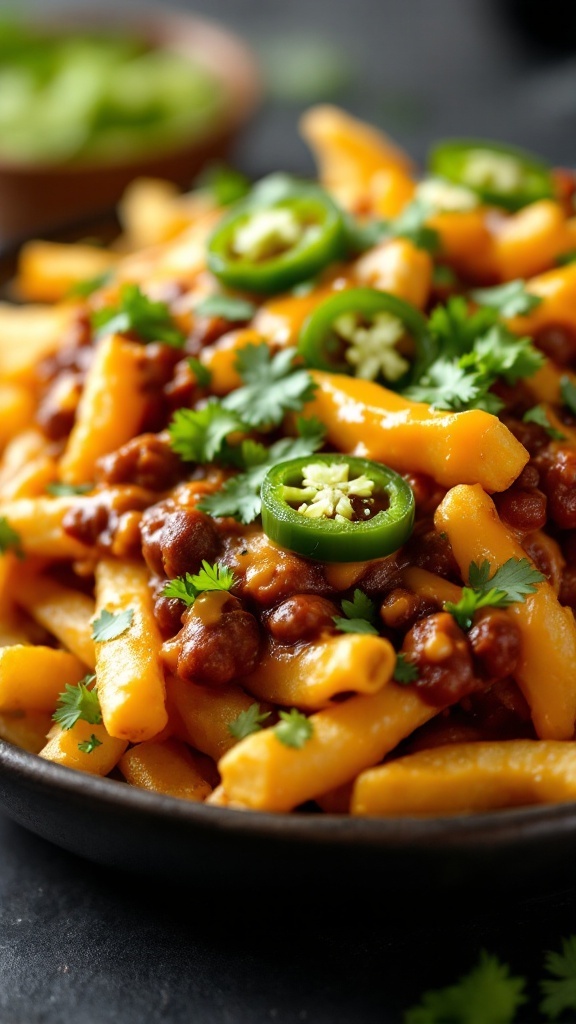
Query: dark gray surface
[82,945]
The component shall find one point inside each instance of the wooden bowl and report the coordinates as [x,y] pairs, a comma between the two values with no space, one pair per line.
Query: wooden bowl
[37,197]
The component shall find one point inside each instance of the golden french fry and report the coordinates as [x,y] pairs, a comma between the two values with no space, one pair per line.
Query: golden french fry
[27,730]
[65,612]
[167,767]
[86,747]
[33,677]
[47,271]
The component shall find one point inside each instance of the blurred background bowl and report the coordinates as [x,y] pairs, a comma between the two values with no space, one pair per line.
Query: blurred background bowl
[40,194]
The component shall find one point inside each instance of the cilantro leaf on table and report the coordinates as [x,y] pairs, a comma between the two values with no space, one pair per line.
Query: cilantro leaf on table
[488,994]
[272,386]
[512,582]
[568,394]
[228,307]
[248,722]
[198,435]
[211,577]
[510,299]
[240,495]
[360,615]
[78,702]
[109,625]
[10,539]
[89,746]
[150,320]
[294,729]
[405,672]
[539,415]
[560,991]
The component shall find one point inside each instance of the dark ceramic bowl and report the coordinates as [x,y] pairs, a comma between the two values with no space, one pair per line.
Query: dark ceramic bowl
[36,197]
[512,851]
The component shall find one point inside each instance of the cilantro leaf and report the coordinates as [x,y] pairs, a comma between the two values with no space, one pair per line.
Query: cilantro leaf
[226,306]
[560,991]
[211,577]
[77,703]
[487,995]
[9,539]
[566,257]
[499,353]
[294,729]
[88,746]
[247,722]
[151,321]
[360,615]
[272,386]
[84,289]
[539,415]
[110,625]
[225,183]
[405,672]
[512,582]
[201,372]
[568,393]
[198,435]
[455,329]
[61,490]
[240,495]
[510,299]
[411,224]
[449,385]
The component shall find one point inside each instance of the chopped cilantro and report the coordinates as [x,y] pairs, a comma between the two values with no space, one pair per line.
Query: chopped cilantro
[510,299]
[240,495]
[566,257]
[201,372]
[360,615]
[108,625]
[568,393]
[77,703]
[197,435]
[247,722]
[9,539]
[271,386]
[88,746]
[560,991]
[84,289]
[455,329]
[448,385]
[512,582]
[294,729]
[226,306]
[151,321]
[411,224]
[443,276]
[539,415]
[225,183]
[499,353]
[405,672]
[61,490]
[489,994]
[211,577]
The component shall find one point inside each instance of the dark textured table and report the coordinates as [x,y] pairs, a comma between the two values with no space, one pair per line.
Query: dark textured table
[83,945]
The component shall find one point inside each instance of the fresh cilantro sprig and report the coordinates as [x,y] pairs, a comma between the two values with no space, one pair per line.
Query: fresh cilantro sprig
[211,577]
[110,625]
[62,490]
[539,415]
[272,386]
[10,539]
[510,299]
[198,435]
[89,746]
[360,615]
[240,495]
[224,183]
[248,722]
[229,307]
[405,672]
[559,991]
[78,702]
[410,224]
[294,729]
[84,289]
[488,994]
[202,373]
[150,320]
[512,582]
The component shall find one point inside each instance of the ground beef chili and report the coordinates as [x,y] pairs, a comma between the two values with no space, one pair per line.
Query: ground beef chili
[302,617]
[496,644]
[442,655]
[219,641]
[146,461]
[175,540]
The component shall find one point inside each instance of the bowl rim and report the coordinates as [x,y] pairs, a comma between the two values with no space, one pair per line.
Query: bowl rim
[240,74]
[515,825]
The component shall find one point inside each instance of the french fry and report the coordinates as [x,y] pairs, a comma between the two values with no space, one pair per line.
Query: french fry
[207,712]
[26,730]
[399,267]
[33,677]
[465,777]
[63,747]
[27,334]
[168,767]
[130,678]
[38,523]
[16,411]
[65,612]
[48,271]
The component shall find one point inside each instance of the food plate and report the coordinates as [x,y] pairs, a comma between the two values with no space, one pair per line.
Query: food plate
[179,663]
[512,851]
